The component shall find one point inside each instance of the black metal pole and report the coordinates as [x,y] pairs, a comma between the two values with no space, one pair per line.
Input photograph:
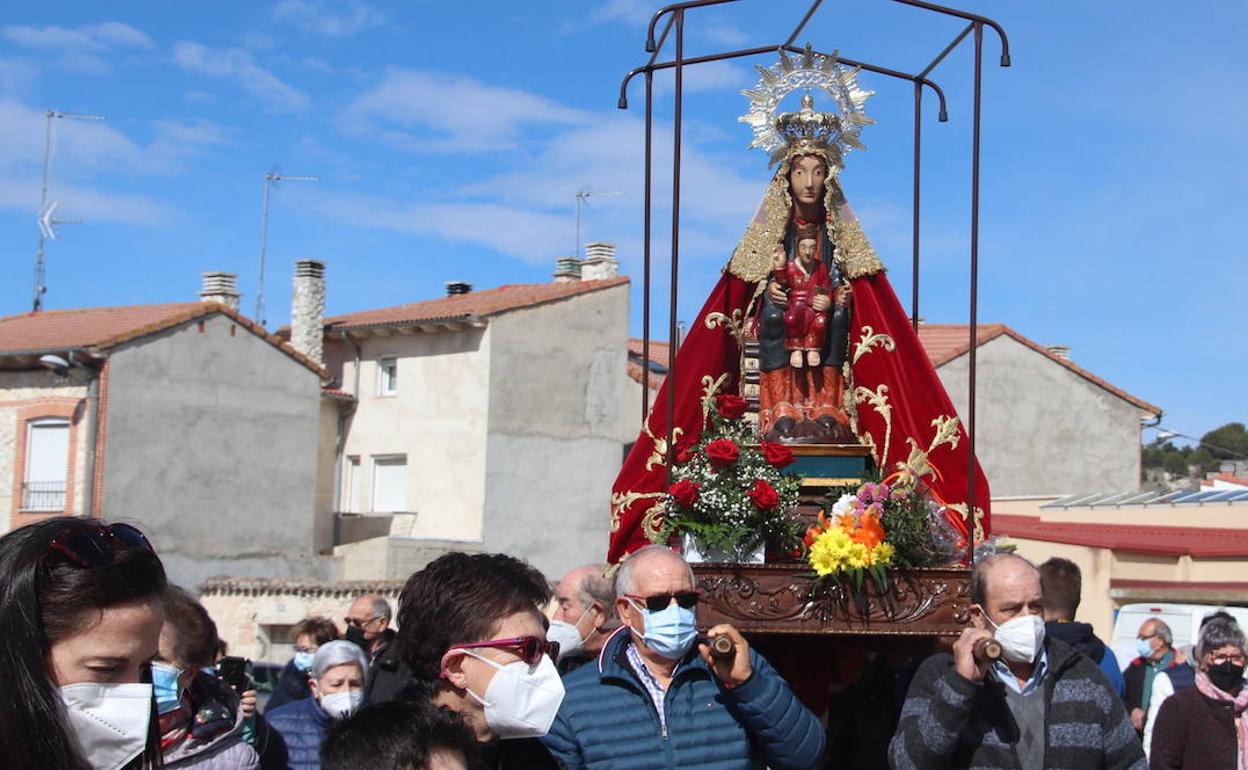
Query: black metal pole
[672,331]
[914,231]
[645,250]
[970,408]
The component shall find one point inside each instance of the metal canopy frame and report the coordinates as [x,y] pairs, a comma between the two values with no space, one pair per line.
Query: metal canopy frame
[675,15]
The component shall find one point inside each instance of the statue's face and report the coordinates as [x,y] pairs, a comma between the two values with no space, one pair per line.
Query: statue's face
[806,249]
[806,178]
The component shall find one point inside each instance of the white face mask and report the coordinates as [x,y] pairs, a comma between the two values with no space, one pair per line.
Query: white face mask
[1021,638]
[109,721]
[521,701]
[341,705]
[568,635]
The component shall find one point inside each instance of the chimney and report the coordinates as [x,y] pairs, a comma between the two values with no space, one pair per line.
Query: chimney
[456,288]
[307,309]
[599,262]
[221,288]
[567,269]
[1061,351]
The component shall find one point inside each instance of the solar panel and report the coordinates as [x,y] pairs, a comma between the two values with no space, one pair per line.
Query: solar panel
[1221,496]
[1142,498]
[1199,497]
[1238,496]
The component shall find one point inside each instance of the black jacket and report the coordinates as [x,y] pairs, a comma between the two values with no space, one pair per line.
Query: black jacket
[389,678]
[292,685]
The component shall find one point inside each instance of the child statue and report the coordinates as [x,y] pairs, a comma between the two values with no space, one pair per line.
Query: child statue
[809,287]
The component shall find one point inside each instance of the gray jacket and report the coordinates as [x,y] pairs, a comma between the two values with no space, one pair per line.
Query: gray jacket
[225,751]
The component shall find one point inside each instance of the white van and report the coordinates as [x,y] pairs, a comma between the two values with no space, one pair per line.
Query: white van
[1183,619]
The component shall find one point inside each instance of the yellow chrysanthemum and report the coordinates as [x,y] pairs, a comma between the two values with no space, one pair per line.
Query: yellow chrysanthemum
[884,553]
[829,552]
[857,557]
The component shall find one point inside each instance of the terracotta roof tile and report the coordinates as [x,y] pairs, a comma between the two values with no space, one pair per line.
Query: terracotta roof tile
[658,357]
[945,342]
[1168,541]
[101,328]
[474,304]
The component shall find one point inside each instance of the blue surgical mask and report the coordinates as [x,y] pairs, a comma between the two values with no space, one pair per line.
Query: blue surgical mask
[303,660]
[1143,648]
[165,687]
[671,631]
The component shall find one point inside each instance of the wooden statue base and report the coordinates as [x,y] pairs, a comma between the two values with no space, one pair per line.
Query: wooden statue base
[776,599]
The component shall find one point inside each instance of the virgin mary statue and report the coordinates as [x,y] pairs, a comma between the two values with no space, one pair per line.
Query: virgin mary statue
[805,326]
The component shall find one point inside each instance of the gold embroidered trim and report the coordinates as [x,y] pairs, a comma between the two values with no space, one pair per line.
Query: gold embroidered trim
[621,500]
[659,455]
[977,530]
[734,324]
[870,339]
[878,399]
[652,522]
[854,251]
[917,463]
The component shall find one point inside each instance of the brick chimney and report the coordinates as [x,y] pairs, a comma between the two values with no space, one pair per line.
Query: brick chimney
[221,288]
[599,262]
[307,309]
[567,269]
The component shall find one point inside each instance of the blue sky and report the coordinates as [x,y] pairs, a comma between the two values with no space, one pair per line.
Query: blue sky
[450,144]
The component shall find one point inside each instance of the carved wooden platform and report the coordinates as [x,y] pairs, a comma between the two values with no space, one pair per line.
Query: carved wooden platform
[775,599]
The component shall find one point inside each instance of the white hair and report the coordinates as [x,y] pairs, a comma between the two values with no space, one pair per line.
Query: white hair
[337,653]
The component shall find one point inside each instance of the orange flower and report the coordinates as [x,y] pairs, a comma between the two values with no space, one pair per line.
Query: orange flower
[870,532]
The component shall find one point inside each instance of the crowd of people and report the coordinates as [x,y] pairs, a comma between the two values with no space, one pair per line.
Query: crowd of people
[108,666]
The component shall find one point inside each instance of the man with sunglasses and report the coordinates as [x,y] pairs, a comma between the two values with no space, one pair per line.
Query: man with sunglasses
[656,698]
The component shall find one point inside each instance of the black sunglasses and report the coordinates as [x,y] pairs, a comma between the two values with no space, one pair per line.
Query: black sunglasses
[97,546]
[660,602]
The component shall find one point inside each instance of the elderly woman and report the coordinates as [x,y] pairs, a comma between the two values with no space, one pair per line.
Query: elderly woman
[337,683]
[1206,727]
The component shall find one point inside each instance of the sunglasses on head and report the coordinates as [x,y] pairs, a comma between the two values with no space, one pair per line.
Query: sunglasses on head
[97,546]
[529,648]
[660,602]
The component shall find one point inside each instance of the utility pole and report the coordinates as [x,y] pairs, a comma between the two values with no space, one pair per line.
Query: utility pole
[582,197]
[271,179]
[47,222]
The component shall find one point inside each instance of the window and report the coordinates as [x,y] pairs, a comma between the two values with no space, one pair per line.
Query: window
[276,641]
[387,376]
[351,481]
[47,465]
[390,484]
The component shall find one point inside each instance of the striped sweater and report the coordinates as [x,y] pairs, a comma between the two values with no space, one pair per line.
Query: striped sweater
[949,722]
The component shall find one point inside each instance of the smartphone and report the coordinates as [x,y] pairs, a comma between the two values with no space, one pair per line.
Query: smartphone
[233,671]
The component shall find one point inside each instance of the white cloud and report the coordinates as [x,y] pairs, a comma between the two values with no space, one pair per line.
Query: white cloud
[706,76]
[85,48]
[423,111]
[239,66]
[726,35]
[318,17]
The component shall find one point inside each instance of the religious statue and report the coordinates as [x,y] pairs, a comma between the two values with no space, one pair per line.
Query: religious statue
[804,326]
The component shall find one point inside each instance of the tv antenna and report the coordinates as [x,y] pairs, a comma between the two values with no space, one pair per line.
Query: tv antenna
[270,180]
[582,197]
[47,209]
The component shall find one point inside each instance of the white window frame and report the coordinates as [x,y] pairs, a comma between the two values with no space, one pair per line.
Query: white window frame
[383,460]
[351,485]
[31,428]
[387,384]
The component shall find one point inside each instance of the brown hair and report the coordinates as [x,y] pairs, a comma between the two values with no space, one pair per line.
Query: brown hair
[1061,582]
[321,629]
[196,633]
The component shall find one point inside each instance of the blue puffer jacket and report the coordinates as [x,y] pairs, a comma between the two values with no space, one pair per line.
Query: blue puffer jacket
[607,720]
[302,725]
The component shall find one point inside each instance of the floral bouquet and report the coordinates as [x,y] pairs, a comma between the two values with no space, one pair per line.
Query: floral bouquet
[876,527]
[728,490]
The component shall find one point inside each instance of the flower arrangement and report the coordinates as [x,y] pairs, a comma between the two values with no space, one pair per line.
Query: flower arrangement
[877,526]
[728,489]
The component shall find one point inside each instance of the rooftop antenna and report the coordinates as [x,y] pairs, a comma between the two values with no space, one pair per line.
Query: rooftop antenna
[47,209]
[582,197]
[270,180]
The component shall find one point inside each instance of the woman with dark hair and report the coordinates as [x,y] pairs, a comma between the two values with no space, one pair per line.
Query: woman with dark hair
[80,606]
[1206,727]
[201,719]
[292,685]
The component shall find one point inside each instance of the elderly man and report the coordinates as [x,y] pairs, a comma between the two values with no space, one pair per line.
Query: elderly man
[1044,705]
[1155,644]
[656,698]
[585,617]
[368,625]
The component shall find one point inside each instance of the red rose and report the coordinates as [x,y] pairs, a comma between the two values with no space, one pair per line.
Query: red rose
[722,452]
[730,406]
[777,455]
[686,451]
[685,493]
[763,496]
